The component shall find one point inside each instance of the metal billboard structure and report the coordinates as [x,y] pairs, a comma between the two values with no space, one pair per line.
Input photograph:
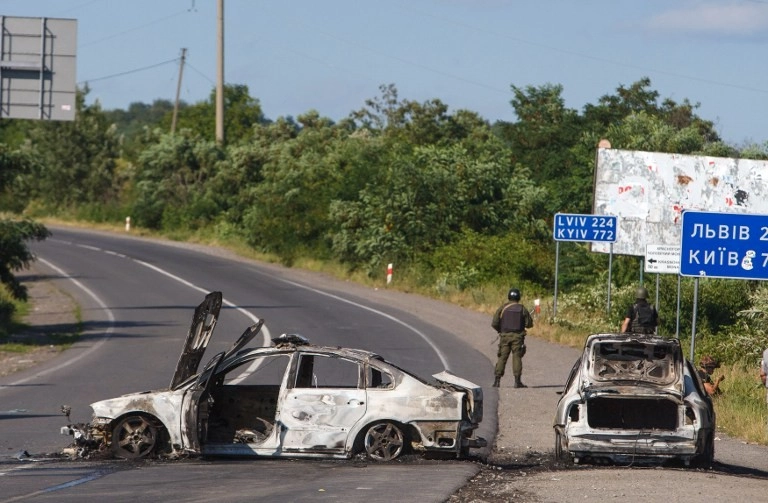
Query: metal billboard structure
[38,68]
[649,191]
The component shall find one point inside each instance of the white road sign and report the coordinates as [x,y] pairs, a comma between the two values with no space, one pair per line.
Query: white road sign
[662,259]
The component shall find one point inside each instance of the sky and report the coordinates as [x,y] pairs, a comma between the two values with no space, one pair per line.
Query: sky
[333,55]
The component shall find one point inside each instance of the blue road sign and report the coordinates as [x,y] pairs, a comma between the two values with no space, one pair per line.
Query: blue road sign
[724,245]
[575,227]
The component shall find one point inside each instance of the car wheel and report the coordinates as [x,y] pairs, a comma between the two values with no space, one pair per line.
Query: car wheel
[559,447]
[707,456]
[384,441]
[134,437]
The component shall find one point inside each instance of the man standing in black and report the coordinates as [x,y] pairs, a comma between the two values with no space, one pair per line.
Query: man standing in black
[510,321]
[641,317]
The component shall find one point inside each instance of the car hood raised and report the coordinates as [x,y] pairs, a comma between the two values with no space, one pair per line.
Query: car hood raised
[203,322]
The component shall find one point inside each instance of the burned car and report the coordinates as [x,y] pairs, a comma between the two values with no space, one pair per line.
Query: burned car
[291,399]
[632,398]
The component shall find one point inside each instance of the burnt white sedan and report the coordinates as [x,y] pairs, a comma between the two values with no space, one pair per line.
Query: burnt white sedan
[291,399]
[632,398]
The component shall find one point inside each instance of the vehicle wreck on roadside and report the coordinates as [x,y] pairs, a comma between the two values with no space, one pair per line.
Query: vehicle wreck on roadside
[291,399]
[632,398]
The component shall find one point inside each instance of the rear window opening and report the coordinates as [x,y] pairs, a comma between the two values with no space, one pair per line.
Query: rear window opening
[632,413]
[654,363]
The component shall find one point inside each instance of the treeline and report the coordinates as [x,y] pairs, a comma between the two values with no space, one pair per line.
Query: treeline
[454,200]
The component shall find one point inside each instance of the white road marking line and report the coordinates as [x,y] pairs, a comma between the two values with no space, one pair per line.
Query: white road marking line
[424,337]
[107,333]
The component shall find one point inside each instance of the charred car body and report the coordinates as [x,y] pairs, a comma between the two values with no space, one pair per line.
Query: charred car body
[633,397]
[290,399]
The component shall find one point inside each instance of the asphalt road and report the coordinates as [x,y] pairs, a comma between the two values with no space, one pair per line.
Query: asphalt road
[144,313]
[137,298]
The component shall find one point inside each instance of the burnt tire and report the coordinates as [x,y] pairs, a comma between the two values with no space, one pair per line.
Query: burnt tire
[134,437]
[560,450]
[384,441]
[707,456]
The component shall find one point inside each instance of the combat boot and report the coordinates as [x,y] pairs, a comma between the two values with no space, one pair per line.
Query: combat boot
[519,383]
[497,382]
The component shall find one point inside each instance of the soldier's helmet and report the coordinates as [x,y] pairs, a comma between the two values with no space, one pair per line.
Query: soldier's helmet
[514,294]
[641,293]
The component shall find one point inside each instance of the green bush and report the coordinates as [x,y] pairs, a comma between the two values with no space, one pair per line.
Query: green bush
[472,259]
[14,252]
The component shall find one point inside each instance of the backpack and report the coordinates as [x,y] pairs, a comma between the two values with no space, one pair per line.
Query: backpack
[645,318]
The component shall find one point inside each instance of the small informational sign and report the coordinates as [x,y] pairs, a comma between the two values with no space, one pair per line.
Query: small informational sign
[577,227]
[662,259]
[724,245]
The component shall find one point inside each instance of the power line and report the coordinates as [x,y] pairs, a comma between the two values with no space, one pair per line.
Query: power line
[114,35]
[359,45]
[200,73]
[136,70]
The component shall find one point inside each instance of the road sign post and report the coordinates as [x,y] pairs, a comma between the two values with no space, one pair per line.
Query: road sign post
[577,227]
[662,259]
[724,245]
[594,228]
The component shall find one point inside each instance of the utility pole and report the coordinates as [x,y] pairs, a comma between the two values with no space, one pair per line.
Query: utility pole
[178,91]
[220,76]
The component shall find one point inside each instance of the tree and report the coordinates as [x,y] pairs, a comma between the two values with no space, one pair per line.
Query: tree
[242,113]
[14,252]
[423,199]
[410,122]
[542,140]
[75,161]
[15,168]
[287,211]
[170,182]
[131,124]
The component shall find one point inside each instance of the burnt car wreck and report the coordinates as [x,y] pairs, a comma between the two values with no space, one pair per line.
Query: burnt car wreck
[291,399]
[632,398]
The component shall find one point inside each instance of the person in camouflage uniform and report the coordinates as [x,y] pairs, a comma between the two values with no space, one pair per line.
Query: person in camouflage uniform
[511,321]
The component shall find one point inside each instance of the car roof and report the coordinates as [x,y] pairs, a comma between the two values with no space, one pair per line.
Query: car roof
[357,354]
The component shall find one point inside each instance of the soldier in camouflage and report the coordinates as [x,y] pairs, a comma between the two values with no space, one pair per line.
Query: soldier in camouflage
[511,321]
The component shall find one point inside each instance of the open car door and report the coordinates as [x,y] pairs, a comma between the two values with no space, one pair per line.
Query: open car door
[244,339]
[203,323]
[195,407]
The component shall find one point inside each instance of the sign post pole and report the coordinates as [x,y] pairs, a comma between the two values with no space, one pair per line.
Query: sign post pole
[693,319]
[577,227]
[557,265]
[722,245]
[664,259]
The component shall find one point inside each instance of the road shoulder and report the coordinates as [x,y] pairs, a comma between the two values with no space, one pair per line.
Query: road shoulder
[51,319]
